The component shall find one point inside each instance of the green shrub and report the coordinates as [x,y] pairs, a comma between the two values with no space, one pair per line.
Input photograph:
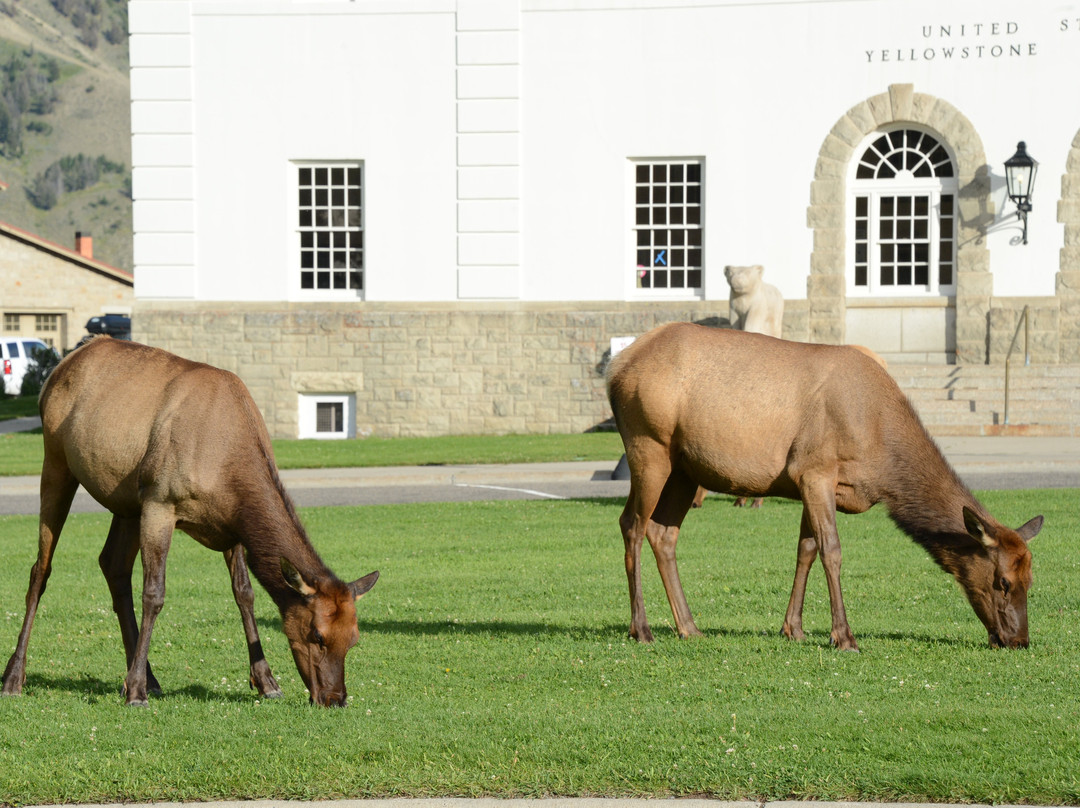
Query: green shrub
[41,364]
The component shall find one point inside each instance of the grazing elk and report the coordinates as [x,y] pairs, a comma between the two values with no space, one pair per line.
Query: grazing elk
[166,443]
[751,415]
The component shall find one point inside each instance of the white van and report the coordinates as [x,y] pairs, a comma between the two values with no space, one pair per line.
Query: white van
[15,355]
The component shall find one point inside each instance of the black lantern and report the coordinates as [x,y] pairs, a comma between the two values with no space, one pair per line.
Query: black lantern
[1020,172]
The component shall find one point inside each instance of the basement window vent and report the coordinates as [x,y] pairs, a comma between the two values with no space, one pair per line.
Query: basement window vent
[327,416]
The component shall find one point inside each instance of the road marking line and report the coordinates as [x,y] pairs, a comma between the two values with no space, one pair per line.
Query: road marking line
[518,490]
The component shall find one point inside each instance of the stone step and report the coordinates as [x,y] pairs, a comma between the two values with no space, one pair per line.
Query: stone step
[970,400]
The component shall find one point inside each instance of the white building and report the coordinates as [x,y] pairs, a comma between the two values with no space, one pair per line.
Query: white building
[431,216]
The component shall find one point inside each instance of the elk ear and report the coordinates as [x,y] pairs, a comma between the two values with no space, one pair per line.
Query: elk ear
[1029,530]
[976,527]
[295,581]
[362,585]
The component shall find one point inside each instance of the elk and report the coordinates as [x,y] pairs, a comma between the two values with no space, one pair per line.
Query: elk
[166,443]
[752,415]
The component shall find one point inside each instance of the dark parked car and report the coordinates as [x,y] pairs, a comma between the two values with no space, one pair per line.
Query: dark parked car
[115,325]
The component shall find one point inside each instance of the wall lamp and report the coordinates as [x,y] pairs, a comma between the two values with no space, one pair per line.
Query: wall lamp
[1020,172]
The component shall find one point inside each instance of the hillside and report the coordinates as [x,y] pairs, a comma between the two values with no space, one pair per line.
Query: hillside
[73,55]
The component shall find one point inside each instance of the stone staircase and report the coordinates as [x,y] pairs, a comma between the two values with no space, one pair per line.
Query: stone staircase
[970,399]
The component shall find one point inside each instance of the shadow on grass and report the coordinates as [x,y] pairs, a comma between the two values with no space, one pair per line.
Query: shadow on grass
[606,633]
[97,690]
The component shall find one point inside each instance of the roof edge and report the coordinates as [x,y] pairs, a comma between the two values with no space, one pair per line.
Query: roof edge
[92,264]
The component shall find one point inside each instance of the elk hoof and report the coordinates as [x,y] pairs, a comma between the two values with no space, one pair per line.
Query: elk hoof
[641,635]
[845,644]
[796,635]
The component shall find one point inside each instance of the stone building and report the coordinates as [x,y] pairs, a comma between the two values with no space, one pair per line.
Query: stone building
[49,292]
[433,216]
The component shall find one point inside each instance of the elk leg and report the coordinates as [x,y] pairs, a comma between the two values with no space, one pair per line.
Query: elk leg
[58,486]
[155,536]
[117,560]
[792,628]
[650,466]
[663,534]
[633,535]
[821,506]
[260,677]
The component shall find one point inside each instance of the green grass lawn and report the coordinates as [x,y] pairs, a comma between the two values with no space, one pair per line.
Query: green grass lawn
[493,660]
[21,453]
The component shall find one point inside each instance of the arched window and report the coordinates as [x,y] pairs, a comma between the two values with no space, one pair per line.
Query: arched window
[903,197]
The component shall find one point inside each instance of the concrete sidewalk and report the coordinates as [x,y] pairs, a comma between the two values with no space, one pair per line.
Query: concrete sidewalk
[968,455]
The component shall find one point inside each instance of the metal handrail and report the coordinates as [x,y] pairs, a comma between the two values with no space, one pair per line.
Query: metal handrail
[1024,321]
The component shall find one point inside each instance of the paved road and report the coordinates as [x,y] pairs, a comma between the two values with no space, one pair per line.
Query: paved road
[983,463]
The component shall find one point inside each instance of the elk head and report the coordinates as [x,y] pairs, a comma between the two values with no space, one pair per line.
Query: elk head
[321,628]
[998,577]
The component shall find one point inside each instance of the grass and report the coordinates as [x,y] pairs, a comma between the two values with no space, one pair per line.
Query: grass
[21,453]
[493,661]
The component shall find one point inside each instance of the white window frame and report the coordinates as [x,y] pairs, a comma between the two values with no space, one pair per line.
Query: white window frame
[905,184]
[298,246]
[307,415]
[635,290]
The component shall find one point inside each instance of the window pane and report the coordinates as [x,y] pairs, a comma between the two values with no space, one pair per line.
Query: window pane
[667,217]
[330,219]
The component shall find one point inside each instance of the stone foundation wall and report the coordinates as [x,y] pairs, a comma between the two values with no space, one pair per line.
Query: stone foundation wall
[1043,329]
[449,369]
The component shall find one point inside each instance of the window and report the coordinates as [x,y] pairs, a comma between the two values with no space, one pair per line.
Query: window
[46,322]
[330,211]
[668,233]
[327,415]
[904,204]
[12,322]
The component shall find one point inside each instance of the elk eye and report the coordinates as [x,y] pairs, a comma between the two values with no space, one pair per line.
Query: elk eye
[1005,586]
[317,636]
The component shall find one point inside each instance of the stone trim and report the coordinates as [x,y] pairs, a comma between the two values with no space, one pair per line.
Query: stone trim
[1068,278]
[826,284]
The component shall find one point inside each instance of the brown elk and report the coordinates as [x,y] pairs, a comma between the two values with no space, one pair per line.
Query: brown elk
[166,443]
[752,415]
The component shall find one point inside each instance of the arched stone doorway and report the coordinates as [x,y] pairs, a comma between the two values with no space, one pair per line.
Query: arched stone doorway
[827,215]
